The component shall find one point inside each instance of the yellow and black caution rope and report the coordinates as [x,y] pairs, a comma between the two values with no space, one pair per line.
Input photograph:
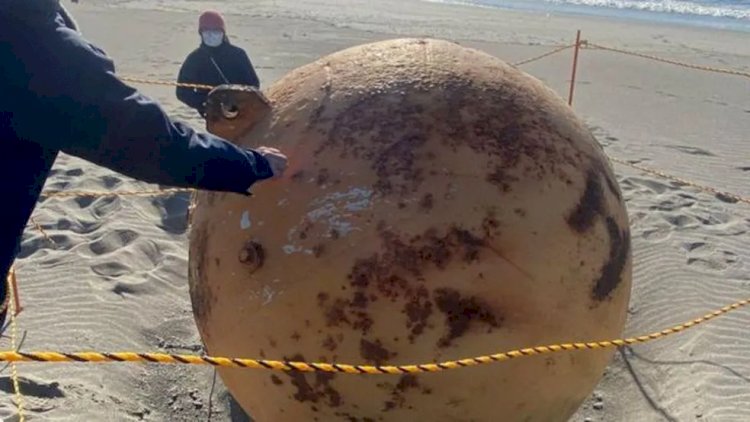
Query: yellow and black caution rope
[668,61]
[166,83]
[94,194]
[541,56]
[277,365]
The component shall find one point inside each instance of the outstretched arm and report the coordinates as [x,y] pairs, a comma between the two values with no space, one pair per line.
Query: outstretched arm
[113,125]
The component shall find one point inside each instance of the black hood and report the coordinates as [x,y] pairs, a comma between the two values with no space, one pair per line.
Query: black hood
[30,8]
[36,10]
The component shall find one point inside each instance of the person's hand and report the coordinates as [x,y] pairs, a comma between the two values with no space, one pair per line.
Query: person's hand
[275,159]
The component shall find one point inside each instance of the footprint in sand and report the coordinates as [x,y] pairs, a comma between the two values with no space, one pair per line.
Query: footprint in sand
[692,246]
[717,102]
[691,150]
[666,94]
[596,130]
[111,269]
[123,252]
[109,182]
[673,205]
[76,172]
[727,226]
[714,264]
[714,219]
[143,287]
[76,226]
[102,206]
[606,140]
[701,255]
[113,241]
[655,234]
[655,186]
[681,221]
[53,173]
[84,201]
[59,178]
[55,185]
[687,196]
[36,242]
[126,280]
[684,220]
[116,272]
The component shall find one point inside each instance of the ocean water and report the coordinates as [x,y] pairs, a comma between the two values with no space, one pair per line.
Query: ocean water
[728,14]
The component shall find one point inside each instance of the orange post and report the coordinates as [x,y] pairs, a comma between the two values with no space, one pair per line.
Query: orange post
[16,297]
[575,65]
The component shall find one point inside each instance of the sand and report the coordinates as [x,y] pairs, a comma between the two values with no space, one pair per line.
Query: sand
[117,277]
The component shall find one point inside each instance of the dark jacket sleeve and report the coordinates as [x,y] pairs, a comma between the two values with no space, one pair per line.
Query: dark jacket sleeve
[193,98]
[250,77]
[113,125]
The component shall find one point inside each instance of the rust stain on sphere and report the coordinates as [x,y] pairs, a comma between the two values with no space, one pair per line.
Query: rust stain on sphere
[438,204]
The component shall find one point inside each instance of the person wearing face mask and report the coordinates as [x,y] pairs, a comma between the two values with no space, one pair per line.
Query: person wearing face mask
[215,62]
[60,93]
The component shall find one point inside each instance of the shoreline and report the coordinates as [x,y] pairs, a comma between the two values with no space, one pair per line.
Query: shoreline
[284,9]
[684,20]
[437,20]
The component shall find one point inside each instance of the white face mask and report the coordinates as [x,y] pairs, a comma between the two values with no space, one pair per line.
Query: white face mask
[212,38]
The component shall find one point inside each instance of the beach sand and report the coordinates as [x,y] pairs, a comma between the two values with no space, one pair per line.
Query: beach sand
[116,278]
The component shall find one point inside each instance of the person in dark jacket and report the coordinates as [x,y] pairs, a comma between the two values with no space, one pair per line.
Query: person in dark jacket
[215,62]
[59,93]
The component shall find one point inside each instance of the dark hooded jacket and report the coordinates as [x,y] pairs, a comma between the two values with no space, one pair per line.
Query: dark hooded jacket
[59,93]
[224,64]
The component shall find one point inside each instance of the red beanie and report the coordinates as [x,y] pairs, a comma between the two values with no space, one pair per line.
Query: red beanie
[211,20]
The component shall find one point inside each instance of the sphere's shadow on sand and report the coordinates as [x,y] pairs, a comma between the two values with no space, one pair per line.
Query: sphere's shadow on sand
[236,413]
[228,404]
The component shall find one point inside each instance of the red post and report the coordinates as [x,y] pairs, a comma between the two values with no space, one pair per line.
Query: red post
[575,65]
